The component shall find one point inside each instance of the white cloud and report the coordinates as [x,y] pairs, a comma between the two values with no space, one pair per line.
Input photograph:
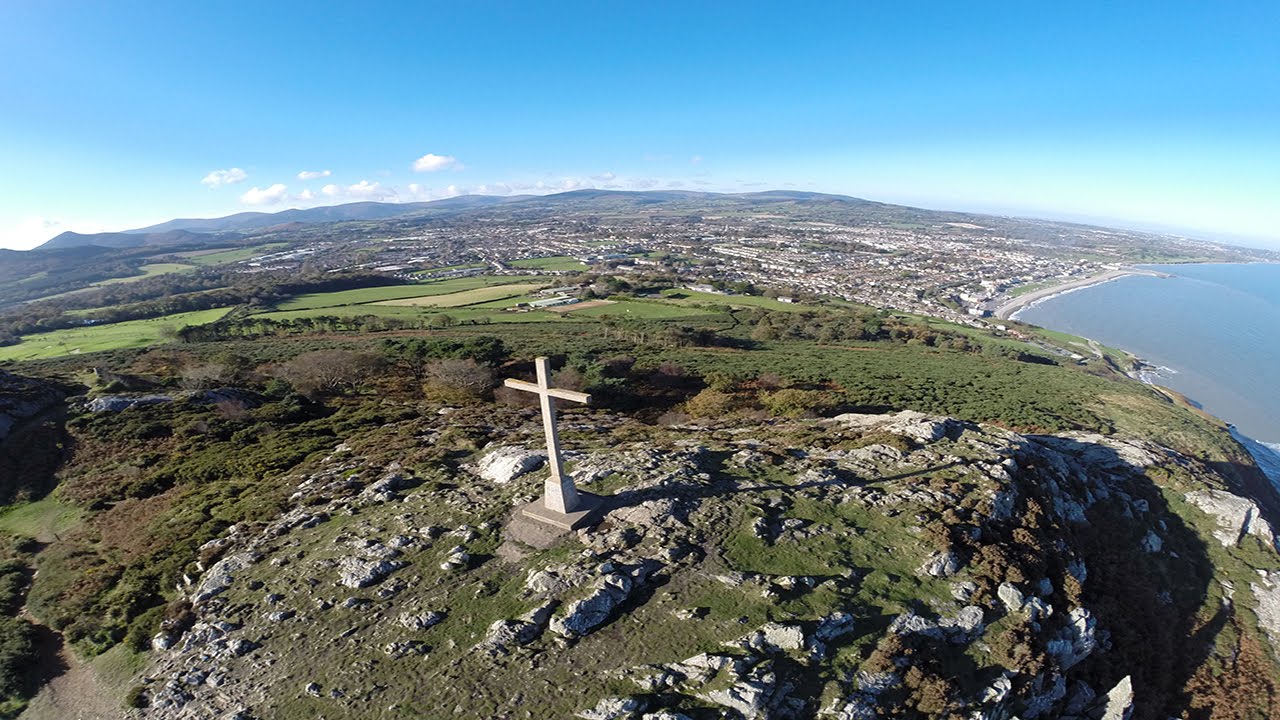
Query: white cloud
[224,177]
[363,190]
[606,176]
[270,196]
[306,195]
[432,163]
[695,160]
[366,190]
[313,174]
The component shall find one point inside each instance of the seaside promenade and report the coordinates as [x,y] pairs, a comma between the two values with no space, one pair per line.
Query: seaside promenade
[1014,305]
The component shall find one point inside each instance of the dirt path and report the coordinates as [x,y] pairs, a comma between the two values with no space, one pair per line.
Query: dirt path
[70,689]
[75,694]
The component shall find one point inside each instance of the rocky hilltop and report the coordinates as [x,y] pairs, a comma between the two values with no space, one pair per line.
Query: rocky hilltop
[860,566]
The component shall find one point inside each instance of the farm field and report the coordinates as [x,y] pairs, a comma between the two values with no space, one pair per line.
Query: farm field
[477,314]
[114,336]
[467,297]
[150,270]
[561,262]
[464,266]
[634,309]
[393,292]
[222,257]
[692,296]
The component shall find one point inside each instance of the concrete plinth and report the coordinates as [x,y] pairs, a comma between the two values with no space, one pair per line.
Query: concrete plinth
[581,516]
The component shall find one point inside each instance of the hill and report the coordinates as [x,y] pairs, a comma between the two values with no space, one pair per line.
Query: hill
[132,239]
[334,213]
[856,514]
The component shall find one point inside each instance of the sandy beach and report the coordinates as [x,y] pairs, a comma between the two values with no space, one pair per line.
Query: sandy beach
[1022,301]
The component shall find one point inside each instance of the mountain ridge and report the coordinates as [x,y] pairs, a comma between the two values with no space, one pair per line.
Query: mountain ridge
[204,230]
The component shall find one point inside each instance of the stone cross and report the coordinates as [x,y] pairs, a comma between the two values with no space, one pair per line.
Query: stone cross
[559,493]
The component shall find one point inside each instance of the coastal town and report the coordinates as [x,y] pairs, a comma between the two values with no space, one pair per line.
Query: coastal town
[973,270]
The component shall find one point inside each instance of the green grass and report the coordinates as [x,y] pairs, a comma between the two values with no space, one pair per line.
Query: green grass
[560,262]
[485,314]
[114,336]
[42,519]
[32,278]
[464,266]
[467,297]
[150,270]
[637,309]
[1032,287]
[223,257]
[362,296]
[684,297]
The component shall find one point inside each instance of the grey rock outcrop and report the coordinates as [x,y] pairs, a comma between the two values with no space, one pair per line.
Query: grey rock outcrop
[502,465]
[1236,516]
[119,403]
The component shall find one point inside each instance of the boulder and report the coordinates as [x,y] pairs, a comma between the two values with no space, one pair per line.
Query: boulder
[583,616]
[1011,597]
[421,621]
[1119,702]
[940,564]
[119,403]
[220,576]
[505,464]
[613,708]
[357,572]
[1077,640]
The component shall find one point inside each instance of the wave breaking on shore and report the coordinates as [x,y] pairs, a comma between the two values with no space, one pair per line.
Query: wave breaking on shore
[1266,454]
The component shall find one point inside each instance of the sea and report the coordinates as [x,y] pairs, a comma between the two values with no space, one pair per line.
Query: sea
[1211,332]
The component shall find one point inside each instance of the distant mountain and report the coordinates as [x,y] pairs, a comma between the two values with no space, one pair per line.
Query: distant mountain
[126,239]
[589,203]
[203,230]
[245,221]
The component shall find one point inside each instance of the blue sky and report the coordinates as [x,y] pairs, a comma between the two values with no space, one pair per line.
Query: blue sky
[122,114]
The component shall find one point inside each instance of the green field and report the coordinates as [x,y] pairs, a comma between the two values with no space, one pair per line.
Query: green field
[478,314]
[222,257]
[32,278]
[393,292]
[43,519]
[1032,287]
[637,309]
[148,271]
[94,338]
[684,297]
[467,297]
[465,266]
[559,262]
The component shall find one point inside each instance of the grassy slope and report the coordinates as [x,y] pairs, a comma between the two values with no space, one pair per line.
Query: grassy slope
[93,338]
[467,297]
[392,292]
[559,262]
[150,270]
[222,257]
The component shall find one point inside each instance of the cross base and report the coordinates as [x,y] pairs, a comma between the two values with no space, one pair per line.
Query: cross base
[581,516]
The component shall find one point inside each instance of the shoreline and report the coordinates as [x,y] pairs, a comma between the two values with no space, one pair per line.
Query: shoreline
[1011,308]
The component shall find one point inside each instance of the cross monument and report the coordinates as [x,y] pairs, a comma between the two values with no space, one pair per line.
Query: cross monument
[562,505]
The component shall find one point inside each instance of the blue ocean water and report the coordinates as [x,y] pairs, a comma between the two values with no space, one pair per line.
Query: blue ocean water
[1214,330]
